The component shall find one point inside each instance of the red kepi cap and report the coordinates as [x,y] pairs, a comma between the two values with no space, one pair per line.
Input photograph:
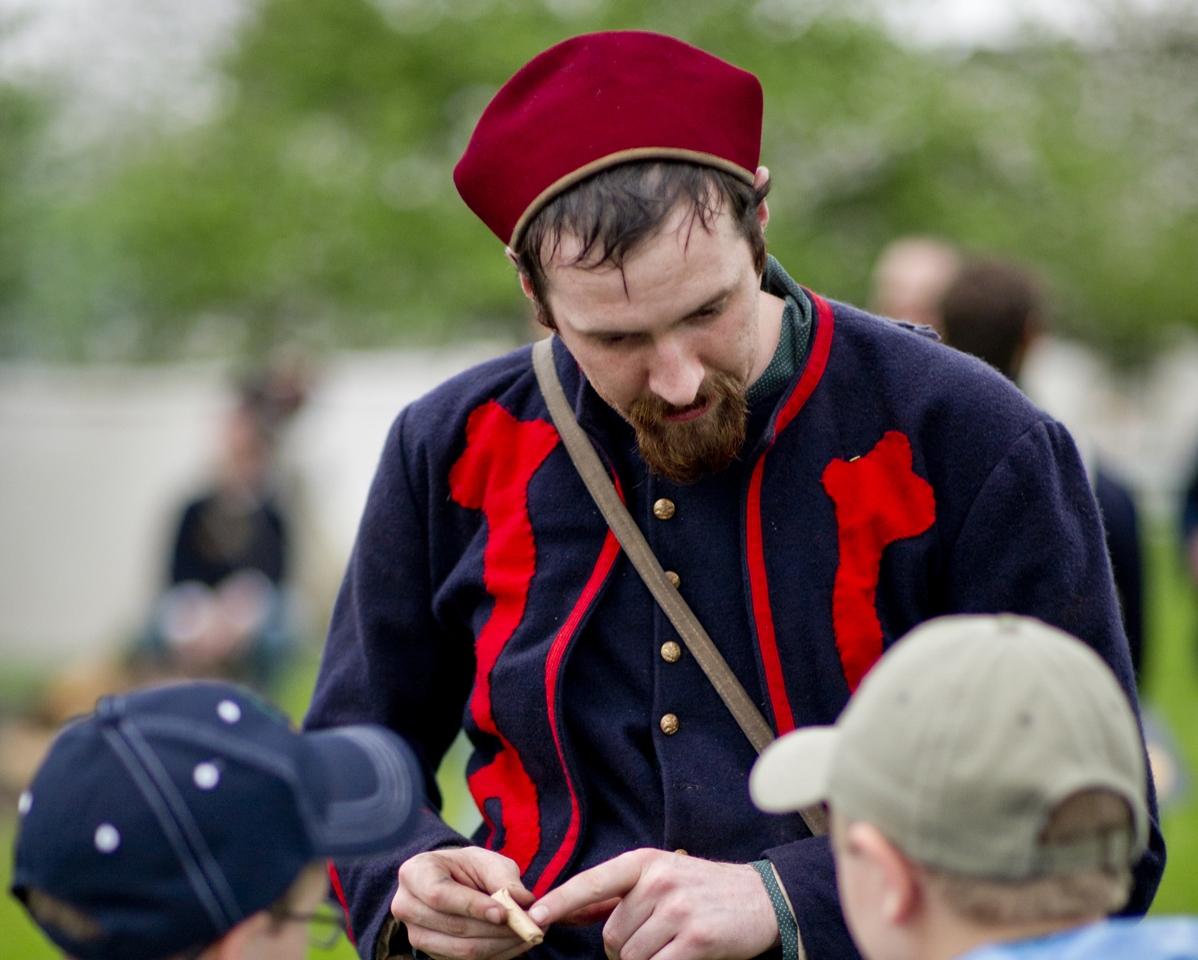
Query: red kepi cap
[601,99]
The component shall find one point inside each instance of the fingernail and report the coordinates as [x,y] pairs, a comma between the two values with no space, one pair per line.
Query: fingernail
[495,916]
[538,914]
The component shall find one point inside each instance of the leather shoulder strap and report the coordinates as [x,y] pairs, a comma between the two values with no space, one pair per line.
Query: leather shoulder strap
[697,641]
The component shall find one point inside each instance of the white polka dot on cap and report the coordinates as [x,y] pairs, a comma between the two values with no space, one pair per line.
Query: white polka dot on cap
[107,838]
[206,775]
[228,711]
[24,803]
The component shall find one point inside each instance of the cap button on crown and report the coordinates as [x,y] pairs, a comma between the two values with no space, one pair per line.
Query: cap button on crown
[663,509]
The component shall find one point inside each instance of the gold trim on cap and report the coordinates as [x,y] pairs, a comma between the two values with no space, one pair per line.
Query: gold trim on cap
[624,156]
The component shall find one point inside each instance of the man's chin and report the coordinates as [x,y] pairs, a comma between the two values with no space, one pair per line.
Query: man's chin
[684,452]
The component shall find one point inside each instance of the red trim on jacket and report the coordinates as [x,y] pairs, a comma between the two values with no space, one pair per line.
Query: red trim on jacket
[335,883]
[758,581]
[879,499]
[492,475]
[607,558]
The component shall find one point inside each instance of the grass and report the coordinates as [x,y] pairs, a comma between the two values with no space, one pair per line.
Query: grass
[1171,687]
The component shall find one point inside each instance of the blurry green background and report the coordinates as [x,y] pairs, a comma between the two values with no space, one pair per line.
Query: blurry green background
[315,204]
[315,207]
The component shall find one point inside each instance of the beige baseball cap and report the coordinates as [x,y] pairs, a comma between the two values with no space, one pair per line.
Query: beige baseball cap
[962,740]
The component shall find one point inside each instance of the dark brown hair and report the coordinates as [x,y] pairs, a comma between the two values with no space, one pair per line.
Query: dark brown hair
[615,210]
[990,311]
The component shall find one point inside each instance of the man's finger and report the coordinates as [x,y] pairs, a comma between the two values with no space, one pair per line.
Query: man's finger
[440,945]
[412,911]
[641,942]
[592,913]
[604,882]
[454,887]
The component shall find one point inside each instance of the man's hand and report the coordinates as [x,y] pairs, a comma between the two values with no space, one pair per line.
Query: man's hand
[444,898]
[671,907]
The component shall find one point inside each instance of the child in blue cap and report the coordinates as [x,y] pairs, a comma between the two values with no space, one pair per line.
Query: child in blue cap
[190,821]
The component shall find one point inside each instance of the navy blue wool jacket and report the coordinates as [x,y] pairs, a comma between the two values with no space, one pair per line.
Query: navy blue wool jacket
[892,480]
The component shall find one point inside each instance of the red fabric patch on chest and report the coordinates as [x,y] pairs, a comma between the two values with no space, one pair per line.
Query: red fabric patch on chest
[879,499]
[492,475]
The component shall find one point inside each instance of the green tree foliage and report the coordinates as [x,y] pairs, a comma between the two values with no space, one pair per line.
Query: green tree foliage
[318,205]
[20,124]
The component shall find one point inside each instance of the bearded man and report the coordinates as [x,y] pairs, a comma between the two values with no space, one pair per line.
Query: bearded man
[816,481]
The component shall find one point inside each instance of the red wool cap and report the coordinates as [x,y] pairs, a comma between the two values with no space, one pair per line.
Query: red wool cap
[601,99]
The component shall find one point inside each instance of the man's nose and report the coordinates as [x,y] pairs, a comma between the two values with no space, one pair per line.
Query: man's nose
[676,374]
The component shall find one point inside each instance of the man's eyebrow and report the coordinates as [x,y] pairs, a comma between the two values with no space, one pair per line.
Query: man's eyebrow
[713,301]
[710,303]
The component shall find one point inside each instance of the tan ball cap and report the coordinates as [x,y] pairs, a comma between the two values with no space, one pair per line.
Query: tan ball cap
[961,741]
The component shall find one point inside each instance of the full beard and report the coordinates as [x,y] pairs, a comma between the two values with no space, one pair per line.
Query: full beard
[687,451]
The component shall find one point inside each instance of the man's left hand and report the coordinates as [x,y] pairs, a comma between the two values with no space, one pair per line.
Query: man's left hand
[670,907]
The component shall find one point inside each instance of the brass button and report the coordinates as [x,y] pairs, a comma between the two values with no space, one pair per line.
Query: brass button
[671,652]
[682,852]
[663,509]
[669,724]
[674,579]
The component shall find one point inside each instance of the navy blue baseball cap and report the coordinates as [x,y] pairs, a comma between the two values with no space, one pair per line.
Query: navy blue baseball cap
[168,816]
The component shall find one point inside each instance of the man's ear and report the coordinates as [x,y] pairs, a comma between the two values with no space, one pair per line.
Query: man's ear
[763,211]
[525,285]
[901,894]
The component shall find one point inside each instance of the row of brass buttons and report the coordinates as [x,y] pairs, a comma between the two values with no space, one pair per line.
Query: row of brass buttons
[664,509]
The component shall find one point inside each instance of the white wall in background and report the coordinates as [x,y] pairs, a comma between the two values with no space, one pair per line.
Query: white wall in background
[95,464]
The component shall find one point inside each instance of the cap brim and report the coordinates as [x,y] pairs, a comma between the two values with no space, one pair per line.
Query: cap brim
[792,772]
[373,788]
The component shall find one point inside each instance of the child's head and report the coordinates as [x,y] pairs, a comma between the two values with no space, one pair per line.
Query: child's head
[986,781]
[191,820]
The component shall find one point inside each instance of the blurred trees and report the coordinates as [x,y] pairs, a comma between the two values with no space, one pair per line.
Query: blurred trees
[318,204]
[20,125]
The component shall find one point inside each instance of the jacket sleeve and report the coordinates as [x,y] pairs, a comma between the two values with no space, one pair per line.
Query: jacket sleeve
[808,873]
[1030,542]
[1033,543]
[388,661]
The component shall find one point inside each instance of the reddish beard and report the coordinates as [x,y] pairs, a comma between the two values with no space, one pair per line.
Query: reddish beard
[685,451]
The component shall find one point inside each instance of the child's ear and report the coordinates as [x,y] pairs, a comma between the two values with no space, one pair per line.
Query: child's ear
[901,889]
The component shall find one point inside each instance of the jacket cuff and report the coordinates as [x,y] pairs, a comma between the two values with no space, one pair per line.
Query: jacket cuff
[788,928]
[808,877]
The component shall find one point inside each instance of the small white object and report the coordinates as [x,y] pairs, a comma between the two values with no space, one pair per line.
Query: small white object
[228,711]
[206,775]
[108,838]
[24,803]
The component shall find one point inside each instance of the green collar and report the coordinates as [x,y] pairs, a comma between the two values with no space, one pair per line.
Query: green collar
[795,338]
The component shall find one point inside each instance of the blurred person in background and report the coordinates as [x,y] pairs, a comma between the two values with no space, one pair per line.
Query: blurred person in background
[994,310]
[227,610]
[911,277]
[1189,525]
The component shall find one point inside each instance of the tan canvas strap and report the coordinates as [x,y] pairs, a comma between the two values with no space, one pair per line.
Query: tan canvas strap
[594,475]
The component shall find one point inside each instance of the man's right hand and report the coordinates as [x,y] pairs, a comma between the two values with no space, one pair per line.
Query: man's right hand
[444,898]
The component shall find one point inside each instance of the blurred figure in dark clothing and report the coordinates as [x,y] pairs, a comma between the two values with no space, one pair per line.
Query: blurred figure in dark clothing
[226,611]
[995,310]
[1189,525]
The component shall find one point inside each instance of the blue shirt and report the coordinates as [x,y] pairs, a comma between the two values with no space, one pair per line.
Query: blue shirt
[1175,938]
